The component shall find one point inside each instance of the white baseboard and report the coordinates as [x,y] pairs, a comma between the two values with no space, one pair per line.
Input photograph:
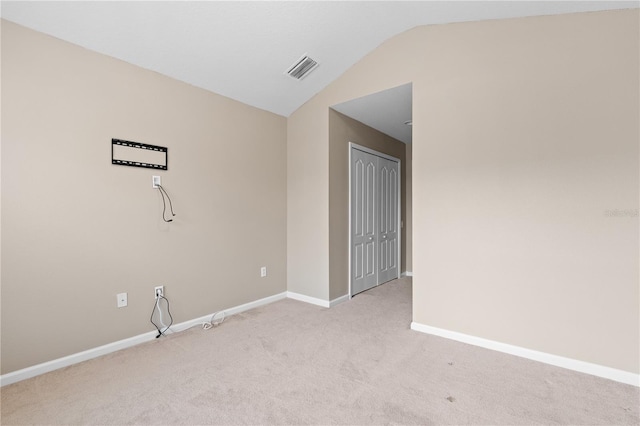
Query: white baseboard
[256,303]
[316,301]
[559,361]
[36,370]
[406,274]
[176,328]
[45,367]
[339,300]
[308,299]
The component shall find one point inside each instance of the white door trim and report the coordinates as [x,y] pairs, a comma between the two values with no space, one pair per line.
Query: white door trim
[353,146]
[371,151]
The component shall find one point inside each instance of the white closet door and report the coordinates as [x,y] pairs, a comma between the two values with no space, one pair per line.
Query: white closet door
[388,220]
[364,240]
[375,204]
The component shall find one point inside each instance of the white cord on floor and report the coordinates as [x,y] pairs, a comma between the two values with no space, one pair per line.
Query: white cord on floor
[212,322]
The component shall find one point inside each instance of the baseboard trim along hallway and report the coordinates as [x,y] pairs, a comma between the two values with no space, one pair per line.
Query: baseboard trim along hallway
[558,361]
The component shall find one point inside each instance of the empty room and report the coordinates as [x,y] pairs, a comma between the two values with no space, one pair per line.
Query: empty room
[311,212]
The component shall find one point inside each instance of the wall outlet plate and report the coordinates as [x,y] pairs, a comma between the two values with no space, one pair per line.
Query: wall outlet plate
[155,181]
[158,291]
[263,272]
[122,299]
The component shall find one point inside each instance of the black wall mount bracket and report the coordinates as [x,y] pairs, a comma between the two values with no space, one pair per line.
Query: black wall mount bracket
[136,154]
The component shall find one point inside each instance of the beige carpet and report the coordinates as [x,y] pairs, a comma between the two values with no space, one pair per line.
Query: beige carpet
[295,363]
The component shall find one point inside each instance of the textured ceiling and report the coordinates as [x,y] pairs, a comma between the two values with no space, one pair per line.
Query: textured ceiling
[242,49]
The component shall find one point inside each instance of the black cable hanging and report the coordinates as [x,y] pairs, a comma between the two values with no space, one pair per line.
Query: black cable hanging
[164,204]
[157,306]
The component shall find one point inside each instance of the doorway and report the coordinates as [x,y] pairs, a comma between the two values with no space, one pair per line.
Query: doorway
[377,121]
[374,211]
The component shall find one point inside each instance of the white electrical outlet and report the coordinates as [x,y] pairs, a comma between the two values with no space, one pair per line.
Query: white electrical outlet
[263,272]
[159,291]
[122,299]
[155,181]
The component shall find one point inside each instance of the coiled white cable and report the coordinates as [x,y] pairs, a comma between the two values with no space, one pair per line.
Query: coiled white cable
[212,322]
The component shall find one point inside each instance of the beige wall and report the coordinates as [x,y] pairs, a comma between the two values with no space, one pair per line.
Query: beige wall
[408,224]
[525,139]
[76,229]
[307,193]
[343,130]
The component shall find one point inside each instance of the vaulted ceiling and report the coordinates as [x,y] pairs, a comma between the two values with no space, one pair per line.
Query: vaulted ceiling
[242,49]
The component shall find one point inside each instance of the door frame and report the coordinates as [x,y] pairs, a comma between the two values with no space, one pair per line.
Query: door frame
[351,147]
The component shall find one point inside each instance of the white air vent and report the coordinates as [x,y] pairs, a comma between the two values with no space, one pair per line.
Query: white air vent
[302,68]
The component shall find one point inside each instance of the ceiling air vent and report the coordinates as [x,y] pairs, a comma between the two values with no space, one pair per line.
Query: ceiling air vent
[302,67]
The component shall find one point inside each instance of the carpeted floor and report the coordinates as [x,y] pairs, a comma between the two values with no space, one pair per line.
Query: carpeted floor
[294,363]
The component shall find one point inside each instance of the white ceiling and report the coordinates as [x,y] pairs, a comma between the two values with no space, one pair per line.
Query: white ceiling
[242,49]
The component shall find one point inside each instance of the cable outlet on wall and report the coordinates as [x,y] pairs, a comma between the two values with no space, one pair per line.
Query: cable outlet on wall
[263,272]
[122,299]
[155,181]
[159,291]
